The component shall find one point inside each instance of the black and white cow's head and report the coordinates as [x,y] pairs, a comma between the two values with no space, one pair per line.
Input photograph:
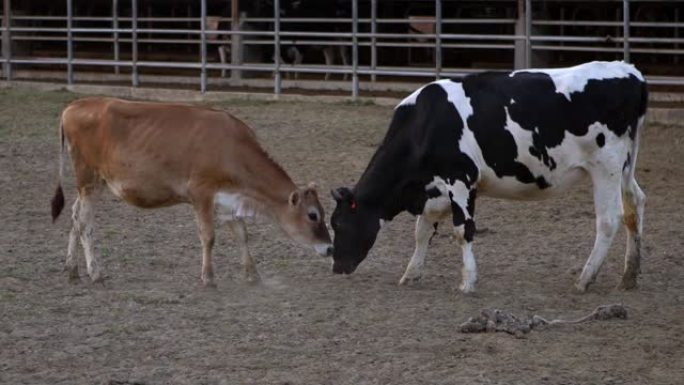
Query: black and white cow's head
[355,227]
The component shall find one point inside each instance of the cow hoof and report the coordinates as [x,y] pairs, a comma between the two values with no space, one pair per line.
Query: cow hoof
[467,288]
[209,284]
[74,278]
[628,284]
[581,288]
[97,277]
[253,278]
[409,280]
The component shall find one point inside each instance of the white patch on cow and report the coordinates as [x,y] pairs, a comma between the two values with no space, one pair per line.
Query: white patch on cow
[574,79]
[116,187]
[232,206]
[456,95]
[512,101]
[411,99]
[382,223]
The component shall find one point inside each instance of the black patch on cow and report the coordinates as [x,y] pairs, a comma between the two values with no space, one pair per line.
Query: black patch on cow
[469,230]
[601,140]
[433,192]
[542,183]
[628,161]
[421,143]
[617,102]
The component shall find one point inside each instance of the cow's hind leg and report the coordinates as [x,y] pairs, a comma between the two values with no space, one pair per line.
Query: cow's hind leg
[204,210]
[608,206]
[240,231]
[71,264]
[86,225]
[414,270]
[633,200]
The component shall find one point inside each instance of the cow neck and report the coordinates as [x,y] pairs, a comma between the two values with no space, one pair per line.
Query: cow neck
[266,182]
[381,185]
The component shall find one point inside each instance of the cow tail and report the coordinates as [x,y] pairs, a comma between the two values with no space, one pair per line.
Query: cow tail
[57,202]
[630,164]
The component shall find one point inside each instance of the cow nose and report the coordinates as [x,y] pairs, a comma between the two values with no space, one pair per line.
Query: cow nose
[329,251]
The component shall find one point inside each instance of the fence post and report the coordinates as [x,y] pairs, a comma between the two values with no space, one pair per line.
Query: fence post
[203,46]
[625,31]
[134,43]
[438,38]
[374,30]
[70,43]
[276,48]
[7,40]
[528,33]
[355,49]
[235,40]
[115,34]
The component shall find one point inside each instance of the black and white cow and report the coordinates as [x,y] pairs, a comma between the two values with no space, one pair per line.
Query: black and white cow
[528,134]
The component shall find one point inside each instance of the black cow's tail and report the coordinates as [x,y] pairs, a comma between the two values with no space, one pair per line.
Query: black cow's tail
[630,164]
[57,202]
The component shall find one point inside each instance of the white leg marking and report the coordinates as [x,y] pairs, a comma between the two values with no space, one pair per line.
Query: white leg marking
[86,228]
[608,207]
[469,272]
[71,265]
[414,270]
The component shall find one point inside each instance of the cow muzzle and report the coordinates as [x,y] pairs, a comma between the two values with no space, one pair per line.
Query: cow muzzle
[343,268]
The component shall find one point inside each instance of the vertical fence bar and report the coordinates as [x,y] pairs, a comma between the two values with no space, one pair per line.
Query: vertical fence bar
[528,33]
[276,48]
[625,30]
[374,30]
[7,39]
[70,43]
[134,43]
[115,34]
[203,46]
[235,40]
[355,49]
[438,38]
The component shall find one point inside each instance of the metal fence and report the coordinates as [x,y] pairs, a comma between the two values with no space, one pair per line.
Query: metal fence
[523,37]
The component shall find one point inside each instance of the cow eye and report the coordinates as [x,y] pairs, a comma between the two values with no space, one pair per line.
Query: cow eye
[313,216]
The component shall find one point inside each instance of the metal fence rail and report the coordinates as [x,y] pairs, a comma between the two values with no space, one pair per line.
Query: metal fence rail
[527,41]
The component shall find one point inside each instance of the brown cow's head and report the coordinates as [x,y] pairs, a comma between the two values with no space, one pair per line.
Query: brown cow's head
[304,220]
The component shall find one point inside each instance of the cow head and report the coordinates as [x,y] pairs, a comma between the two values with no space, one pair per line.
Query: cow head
[355,228]
[304,220]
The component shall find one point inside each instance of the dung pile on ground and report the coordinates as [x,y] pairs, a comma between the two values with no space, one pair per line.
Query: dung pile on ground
[495,320]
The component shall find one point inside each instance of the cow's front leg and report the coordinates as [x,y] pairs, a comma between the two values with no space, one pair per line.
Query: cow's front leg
[414,270]
[462,209]
[240,231]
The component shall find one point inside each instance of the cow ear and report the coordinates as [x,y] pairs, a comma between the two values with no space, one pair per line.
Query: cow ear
[294,198]
[342,194]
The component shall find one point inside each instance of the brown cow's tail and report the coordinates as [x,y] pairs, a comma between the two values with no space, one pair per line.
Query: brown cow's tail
[58,200]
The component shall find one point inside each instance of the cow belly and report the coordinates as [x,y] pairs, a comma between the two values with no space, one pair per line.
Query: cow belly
[145,195]
[511,188]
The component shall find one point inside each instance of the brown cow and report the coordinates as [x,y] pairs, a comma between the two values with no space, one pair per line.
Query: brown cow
[155,155]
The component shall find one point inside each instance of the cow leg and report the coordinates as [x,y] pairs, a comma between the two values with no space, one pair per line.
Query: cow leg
[86,224]
[222,56]
[71,265]
[608,206]
[205,223]
[633,200]
[462,210]
[240,231]
[329,54]
[414,270]
[344,55]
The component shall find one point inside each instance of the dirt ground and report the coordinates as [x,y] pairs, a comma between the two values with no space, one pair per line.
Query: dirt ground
[153,323]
